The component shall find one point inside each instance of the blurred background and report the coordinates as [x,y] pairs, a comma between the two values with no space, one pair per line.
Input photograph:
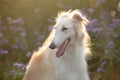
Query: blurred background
[25,24]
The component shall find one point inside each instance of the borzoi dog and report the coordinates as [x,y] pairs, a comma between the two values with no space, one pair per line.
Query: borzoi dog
[62,56]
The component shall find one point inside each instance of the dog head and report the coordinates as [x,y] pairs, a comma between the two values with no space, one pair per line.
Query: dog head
[69,27]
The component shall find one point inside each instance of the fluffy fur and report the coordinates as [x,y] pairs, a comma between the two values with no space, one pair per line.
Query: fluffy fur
[44,65]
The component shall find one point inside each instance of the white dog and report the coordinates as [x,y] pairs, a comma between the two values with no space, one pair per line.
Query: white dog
[62,57]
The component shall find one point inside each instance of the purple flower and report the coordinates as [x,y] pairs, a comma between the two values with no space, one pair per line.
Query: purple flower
[18,21]
[21,29]
[90,10]
[19,65]
[11,72]
[94,30]
[16,64]
[14,46]
[3,41]
[102,67]
[110,44]
[50,28]
[38,44]
[112,25]
[116,21]
[93,23]
[36,33]
[116,35]
[41,37]
[2,51]
[50,20]
[28,55]
[9,19]
[16,29]
[23,34]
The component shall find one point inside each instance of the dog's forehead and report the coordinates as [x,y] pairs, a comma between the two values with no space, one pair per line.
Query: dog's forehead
[67,22]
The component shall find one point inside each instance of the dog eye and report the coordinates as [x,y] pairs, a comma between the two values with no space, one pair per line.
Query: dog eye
[64,28]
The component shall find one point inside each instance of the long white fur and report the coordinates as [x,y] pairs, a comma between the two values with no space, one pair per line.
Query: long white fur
[44,65]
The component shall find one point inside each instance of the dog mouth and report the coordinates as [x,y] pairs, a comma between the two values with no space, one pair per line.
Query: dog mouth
[63,47]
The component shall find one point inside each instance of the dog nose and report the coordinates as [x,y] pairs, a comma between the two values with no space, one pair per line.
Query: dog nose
[52,46]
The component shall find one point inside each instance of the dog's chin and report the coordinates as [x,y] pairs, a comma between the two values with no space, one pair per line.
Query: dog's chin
[62,47]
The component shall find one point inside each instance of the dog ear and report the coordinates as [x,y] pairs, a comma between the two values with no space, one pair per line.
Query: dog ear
[77,17]
[80,18]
